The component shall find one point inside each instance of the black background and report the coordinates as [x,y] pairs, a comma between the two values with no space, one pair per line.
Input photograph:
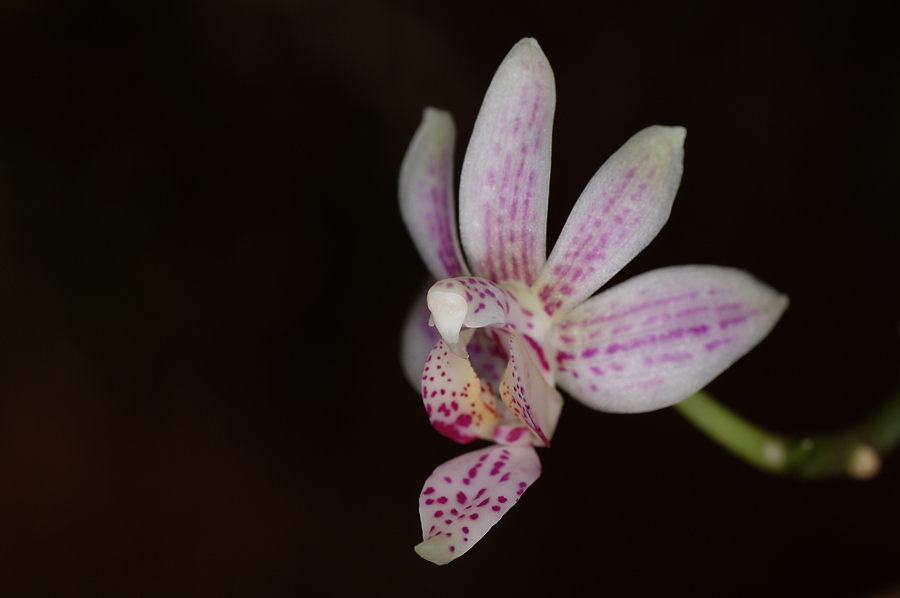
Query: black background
[203,273]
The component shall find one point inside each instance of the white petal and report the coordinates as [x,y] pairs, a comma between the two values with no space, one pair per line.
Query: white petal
[657,338]
[620,211]
[426,195]
[506,172]
[466,496]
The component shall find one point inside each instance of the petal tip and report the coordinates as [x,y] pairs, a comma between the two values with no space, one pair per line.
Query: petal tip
[676,134]
[782,303]
[529,49]
[528,41]
[436,115]
[768,299]
[666,135]
[434,551]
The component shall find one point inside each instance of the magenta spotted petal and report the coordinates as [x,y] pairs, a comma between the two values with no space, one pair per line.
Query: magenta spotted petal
[457,403]
[466,496]
[527,395]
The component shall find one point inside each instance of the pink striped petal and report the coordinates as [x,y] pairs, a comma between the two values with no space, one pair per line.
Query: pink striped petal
[527,394]
[620,211]
[426,195]
[657,338]
[457,403]
[466,496]
[506,172]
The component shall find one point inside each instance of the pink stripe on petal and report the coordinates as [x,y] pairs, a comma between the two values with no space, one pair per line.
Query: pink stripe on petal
[426,195]
[620,211]
[463,498]
[657,338]
[506,171]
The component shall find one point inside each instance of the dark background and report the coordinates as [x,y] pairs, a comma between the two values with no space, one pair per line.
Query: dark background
[203,273]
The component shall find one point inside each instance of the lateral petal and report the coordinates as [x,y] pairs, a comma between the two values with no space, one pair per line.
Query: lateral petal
[466,496]
[506,171]
[620,211]
[527,394]
[657,338]
[459,406]
[426,195]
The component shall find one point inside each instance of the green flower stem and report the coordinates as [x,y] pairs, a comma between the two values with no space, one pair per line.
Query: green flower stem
[855,451]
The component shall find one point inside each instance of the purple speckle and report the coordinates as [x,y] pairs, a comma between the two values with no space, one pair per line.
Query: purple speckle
[514,435]
[731,321]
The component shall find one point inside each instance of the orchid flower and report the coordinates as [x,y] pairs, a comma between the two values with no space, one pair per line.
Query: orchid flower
[508,319]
